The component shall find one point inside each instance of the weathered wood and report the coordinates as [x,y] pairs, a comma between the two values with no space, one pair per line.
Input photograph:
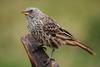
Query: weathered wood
[36,54]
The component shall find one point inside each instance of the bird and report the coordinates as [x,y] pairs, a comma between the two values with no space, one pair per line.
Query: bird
[49,33]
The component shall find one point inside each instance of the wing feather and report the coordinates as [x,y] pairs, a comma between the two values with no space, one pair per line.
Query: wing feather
[55,32]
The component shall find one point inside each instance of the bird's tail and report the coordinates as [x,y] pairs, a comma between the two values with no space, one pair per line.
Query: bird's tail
[81,45]
[64,39]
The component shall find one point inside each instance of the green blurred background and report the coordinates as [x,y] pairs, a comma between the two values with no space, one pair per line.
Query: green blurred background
[80,17]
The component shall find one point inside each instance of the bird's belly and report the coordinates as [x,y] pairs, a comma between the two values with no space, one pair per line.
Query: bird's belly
[39,35]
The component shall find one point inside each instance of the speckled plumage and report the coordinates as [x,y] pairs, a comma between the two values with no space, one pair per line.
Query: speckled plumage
[46,31]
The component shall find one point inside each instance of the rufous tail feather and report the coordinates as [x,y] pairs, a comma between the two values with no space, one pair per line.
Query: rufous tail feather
[83,46]
[74,42]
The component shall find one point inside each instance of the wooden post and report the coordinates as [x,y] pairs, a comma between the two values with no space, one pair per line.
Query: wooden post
[36,54]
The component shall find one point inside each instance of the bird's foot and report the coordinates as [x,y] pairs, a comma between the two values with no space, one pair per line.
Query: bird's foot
[48,61]
[44,48]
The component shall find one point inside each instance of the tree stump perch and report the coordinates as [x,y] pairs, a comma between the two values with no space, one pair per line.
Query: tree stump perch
[36,54]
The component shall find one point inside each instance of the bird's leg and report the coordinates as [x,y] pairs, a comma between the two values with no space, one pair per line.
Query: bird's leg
[50,58]
[44,48]
[52,53]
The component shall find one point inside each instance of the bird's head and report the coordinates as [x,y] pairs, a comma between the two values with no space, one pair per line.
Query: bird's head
[31,12]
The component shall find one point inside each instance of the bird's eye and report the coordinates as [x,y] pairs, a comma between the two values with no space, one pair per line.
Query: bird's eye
[30,11]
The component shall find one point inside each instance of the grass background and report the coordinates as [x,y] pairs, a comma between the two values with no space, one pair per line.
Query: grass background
[80,17]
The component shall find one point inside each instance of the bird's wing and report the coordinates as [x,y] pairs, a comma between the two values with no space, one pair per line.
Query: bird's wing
[57,34]
[52,28]
[60,36]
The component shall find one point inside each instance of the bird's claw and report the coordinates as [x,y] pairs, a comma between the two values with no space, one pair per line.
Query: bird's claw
[44,48]
[48,61]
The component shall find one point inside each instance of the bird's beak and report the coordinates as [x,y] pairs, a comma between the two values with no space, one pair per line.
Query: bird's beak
[25,13]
